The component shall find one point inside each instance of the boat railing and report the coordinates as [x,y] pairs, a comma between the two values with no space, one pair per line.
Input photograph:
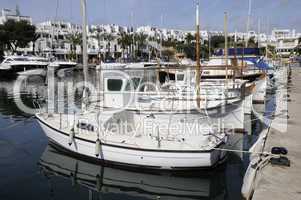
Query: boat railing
[37,105]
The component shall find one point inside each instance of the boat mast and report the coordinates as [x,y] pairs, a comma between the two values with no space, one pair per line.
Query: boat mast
[226,45]
[161,36]
[248,22]
[209,45]
[84,38]
[267,39]
[133,36]
[235,63]
[52,54]
[198,63]
[258,36]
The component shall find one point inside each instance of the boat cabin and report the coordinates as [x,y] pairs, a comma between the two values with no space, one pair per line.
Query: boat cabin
[119,91]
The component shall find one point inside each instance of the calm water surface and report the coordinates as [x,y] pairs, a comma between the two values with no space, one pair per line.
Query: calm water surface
[32,169]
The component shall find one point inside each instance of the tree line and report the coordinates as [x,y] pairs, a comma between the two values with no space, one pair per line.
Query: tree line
[16,34]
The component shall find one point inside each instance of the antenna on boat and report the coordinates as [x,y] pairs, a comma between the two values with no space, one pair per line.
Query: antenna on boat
[198,63]
[85,54]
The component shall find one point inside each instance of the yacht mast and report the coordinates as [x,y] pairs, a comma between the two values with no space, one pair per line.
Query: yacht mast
[267,39]
[198,63]
[209,45]
[133,36]
[84,38]
[226,45]
[52,30]
[161,37]
[248,22]
[258,34]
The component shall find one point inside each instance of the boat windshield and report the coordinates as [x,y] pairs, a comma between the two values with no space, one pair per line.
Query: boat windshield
[180,77]
[39,59]
[8,60]
[114,84]
[132,84]
[20,59]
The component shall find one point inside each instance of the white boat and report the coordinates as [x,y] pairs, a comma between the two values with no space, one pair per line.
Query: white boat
[141,144]
[33,72]
[110,66]
[98,177]
[178,137]
[58,64]
[259,95]
[150,138]
[14,64]
[216,68]
[226,94]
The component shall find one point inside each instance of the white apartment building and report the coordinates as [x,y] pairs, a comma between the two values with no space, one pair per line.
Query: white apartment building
[285,41]
[7,14]
[54,39]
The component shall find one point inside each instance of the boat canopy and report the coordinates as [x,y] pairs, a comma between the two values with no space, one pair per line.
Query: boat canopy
[238,52]
[259,63]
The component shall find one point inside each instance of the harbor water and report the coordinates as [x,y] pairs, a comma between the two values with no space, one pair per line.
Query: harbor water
[30,168]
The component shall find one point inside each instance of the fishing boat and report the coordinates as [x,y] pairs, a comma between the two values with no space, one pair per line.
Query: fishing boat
[133,129]
[165,130]
[135,137]
[149,138]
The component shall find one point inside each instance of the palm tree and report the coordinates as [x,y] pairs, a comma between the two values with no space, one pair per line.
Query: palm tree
[125,40]
[99,36]
[141,39]
[109,38]
[299,46]
[35,37]
[4,41]
[189,38]
[74,40]
[252,43]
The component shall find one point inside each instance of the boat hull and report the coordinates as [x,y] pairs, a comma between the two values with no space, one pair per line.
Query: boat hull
[146,158]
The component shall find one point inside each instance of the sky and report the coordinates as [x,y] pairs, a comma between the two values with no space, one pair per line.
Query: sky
[177,14]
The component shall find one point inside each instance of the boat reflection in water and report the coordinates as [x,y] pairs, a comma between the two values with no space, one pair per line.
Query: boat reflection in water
[102,179]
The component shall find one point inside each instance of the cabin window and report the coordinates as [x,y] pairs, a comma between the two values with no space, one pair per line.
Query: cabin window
[85,126]
[8,60]
[180,77]
[114,84]
[20,59]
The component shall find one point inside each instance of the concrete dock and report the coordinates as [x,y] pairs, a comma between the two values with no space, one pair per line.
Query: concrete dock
[275,182]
